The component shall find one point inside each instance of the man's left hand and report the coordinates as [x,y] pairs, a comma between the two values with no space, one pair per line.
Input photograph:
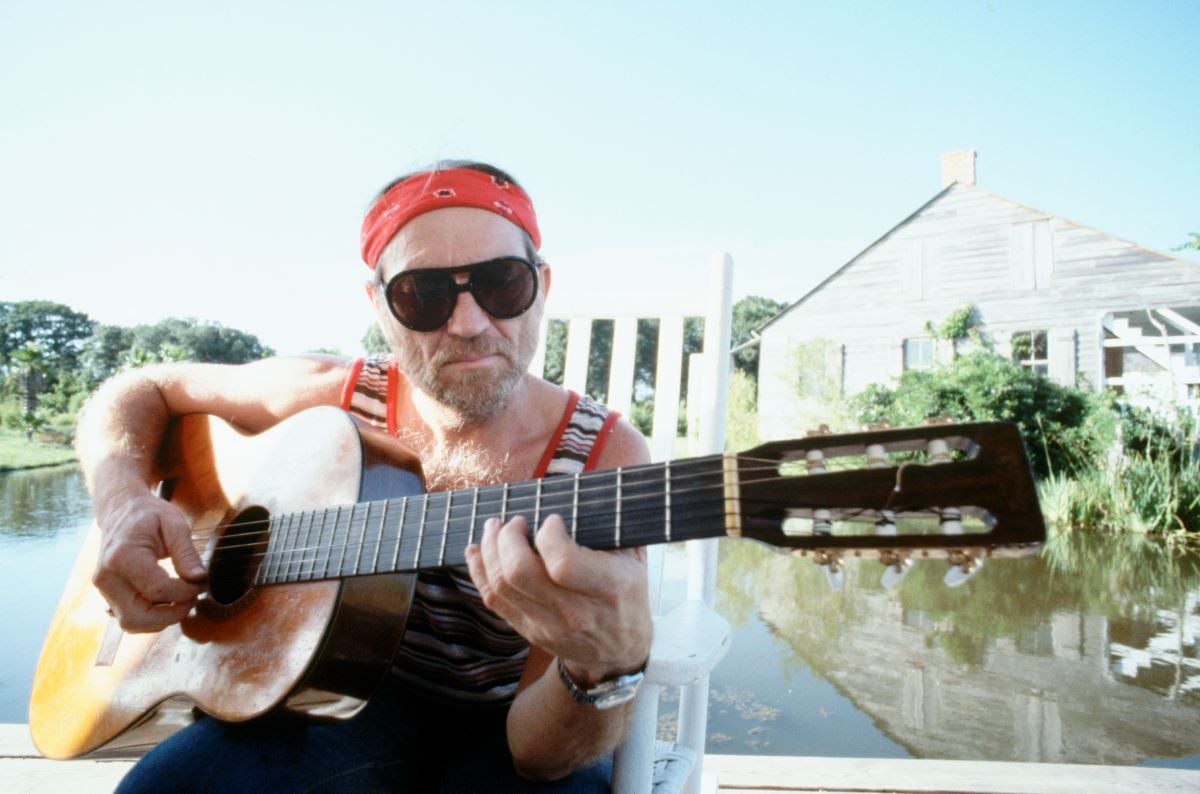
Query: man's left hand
[588,607]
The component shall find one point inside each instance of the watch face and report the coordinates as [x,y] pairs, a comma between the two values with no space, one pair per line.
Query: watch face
[616,697]
[606,694]
[615,692]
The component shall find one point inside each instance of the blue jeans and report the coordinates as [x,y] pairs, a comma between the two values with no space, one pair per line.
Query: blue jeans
[399,742]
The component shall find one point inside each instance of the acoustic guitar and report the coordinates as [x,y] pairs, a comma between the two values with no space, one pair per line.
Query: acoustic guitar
[314,529]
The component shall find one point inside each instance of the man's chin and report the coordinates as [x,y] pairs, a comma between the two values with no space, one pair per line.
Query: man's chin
[476,393]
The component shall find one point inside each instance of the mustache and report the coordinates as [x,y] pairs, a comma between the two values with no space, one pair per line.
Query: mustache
[457,349]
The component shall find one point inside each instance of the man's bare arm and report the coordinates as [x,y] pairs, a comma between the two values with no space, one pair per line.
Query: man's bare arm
[587,607]
[117,439]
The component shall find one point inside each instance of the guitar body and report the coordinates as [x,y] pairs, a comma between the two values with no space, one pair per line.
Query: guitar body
[312,530]
[317,648]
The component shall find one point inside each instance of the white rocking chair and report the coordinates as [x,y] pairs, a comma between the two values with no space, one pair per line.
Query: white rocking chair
[691,638]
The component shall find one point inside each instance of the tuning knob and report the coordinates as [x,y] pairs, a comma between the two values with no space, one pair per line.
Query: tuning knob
[962,567]
[895,567]
[831,564]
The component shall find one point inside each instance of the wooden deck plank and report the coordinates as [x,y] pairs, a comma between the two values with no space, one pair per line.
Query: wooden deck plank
[743,773]
[23,771]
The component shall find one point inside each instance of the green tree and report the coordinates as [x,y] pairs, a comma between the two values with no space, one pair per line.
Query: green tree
[374,342]
[57,330]
[749,314]
[103,354]
[175,339]
[1065,429]
[1193,244]
[29,364]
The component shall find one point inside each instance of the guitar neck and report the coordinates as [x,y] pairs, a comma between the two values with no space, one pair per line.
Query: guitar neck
[978,472]
[618,508]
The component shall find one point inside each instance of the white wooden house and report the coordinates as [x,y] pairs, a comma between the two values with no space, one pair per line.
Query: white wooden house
[1074,302]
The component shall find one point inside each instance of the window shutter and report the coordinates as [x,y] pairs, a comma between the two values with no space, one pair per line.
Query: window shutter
[1062,355]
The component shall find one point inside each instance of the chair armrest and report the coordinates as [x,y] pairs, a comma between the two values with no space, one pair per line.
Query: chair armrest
[688,642]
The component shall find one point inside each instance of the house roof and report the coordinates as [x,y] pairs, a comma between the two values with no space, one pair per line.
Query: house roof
[917,212]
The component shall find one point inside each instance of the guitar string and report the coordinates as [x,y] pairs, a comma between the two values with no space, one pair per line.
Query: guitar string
[354,550]
[301,575]
[513,504]
[607,475]
[598,534]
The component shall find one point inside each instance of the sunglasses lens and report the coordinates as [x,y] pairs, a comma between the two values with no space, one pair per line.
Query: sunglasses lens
[504,288]
[422,301]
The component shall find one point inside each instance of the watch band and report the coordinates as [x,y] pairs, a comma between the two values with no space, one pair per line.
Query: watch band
[604,695]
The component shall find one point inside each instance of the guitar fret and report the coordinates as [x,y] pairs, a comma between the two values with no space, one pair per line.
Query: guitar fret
[300,546]
[337,518]
[421,531]
[575,510]
[667,499]
[291,541]
[282,551]
[379,545]
[263,575]
[617,528]
[503,502]
[474,513]
[445,528]
[399,534]
[537,506]
[276,529]
[362,537]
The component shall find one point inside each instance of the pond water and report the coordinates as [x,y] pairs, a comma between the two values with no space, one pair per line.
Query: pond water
[1085,653]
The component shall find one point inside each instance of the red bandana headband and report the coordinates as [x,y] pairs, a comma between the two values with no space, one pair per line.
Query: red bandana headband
[435,190]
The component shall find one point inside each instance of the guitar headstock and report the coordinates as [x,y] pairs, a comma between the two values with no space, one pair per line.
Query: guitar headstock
[960,492]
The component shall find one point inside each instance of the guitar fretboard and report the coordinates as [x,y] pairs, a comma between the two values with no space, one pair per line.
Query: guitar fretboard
[638,506]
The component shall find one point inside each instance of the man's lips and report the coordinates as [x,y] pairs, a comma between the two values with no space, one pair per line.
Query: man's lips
[472,360]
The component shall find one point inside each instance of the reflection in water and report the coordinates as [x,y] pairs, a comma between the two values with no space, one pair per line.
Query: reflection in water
[41,502]
[43,516]
[1086,653]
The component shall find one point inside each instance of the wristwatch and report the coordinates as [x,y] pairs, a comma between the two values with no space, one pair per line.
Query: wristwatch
[606,694]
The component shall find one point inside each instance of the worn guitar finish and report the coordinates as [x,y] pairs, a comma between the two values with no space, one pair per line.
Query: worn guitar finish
[312,531]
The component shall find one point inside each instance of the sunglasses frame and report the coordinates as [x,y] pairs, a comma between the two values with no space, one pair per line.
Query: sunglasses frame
[455,289]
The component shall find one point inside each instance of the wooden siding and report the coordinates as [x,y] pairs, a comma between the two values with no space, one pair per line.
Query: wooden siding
[1022,268]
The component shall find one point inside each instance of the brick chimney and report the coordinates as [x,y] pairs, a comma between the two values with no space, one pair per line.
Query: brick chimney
[958,167]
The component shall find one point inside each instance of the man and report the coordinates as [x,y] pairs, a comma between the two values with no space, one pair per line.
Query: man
[458,290]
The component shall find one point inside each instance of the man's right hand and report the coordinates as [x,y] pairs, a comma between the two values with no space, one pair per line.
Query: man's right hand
[138,531]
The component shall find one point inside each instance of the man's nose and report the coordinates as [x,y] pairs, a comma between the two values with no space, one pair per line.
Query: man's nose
[468,319]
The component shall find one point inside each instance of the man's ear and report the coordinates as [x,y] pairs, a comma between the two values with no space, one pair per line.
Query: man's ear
[545,268]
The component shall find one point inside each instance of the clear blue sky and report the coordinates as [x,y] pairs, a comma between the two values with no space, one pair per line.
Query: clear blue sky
[213,159]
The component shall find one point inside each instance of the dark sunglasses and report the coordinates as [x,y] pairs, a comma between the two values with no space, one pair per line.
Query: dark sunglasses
[424,299]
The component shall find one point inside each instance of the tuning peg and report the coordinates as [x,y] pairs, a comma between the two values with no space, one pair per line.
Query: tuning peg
[894,573]
[962,567]
[831,564]
[896,566]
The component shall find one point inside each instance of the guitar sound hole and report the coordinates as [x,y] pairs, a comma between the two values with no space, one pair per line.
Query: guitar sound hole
[236,559]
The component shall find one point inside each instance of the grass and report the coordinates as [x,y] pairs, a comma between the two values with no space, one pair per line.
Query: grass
[1145,494]
[17,453]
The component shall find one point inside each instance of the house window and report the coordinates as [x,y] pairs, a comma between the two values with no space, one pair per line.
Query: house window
[918,354]
[1030,349]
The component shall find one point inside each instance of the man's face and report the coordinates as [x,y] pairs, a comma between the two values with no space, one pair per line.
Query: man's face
[473,363]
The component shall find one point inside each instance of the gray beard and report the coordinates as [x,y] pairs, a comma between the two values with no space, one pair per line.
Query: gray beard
[472,396]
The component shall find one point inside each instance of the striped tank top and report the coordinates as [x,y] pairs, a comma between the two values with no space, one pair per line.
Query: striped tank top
[454,647]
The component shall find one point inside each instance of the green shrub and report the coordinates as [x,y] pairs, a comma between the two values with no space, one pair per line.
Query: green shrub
[1065,428]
